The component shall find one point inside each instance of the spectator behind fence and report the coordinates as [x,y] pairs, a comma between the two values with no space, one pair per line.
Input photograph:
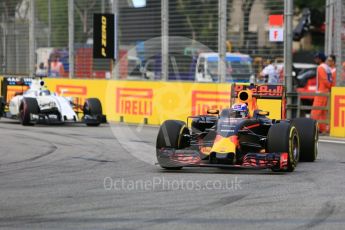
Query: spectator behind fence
[56,68]
[270,72]
[323,85]
[41,70]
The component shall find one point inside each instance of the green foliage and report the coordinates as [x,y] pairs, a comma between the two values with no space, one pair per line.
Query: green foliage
[59,20]
[198,20]
[298,4]
[314,4]
[8,7]
[201,20]
[274,7]
[83,19]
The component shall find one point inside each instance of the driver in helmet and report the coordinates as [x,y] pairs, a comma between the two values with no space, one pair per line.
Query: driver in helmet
[239,110]
[45,92]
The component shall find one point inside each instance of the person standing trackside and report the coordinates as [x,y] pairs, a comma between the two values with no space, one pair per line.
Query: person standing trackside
[331,63]
[323,85]
[271,73]
[41,71]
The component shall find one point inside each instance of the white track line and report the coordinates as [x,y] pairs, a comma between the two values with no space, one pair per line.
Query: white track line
[332,142]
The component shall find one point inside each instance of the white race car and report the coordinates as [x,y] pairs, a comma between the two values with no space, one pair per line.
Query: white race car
[40,105]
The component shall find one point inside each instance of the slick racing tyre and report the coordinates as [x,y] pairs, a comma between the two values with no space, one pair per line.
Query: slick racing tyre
[283,137]
[27,107]
[93,108]
[308,135]
[172,134]
[2,107]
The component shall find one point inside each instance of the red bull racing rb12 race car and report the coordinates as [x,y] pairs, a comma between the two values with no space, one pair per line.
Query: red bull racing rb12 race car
[241,136]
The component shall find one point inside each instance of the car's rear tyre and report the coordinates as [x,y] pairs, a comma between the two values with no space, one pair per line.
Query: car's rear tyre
[283,137]
[172,134]
[27,107]
[93,107]
[2,107]
[308,135]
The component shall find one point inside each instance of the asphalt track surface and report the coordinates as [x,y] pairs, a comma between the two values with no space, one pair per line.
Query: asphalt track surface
[77,177]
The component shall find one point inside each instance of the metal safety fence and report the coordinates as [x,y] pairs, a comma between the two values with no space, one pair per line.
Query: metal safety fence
[335,36]
[157,39]
[304,108]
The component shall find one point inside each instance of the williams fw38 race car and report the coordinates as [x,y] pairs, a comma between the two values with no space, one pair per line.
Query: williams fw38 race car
[39,105]
[241,136]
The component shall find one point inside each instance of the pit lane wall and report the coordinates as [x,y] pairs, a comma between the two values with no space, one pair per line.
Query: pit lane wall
[153,102]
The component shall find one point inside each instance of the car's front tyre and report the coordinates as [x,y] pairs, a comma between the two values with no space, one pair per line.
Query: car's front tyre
[172,134]
[283,138]
[27,107]
[93,112]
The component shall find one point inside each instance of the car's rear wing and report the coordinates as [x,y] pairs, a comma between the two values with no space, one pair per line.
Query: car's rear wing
[12,84]
[250,94]
[260,91]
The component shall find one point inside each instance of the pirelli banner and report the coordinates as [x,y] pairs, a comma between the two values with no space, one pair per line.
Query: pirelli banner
[153,102]
[337,121]
[103,36]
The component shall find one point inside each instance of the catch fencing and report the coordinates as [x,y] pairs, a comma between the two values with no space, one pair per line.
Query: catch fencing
[335,36]
[157,39]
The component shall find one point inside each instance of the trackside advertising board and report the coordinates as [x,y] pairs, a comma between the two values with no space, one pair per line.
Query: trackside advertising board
[153,102]
[337,121]
[103,36]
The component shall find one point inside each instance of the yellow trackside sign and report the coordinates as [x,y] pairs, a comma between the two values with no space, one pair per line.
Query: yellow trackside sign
[337,119]
[153,102]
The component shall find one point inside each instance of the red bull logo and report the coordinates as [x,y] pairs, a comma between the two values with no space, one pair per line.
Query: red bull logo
[262,90]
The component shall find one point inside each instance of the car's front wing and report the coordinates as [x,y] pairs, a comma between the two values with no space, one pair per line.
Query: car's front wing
[192,158]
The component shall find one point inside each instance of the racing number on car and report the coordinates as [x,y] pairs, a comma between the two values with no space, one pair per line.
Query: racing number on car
[204,100]
[79,93]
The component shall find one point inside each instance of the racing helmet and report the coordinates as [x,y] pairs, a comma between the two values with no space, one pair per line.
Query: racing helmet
[44,92]
[240,110]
